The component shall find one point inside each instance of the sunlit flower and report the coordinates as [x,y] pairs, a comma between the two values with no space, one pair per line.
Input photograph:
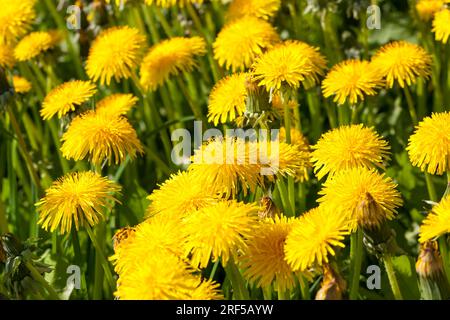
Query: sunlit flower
[171,3]
[429,146]
[284,159]
[7,59]
[115,53]
[16,18]
[362,195]
[349,147]
[402,62]
[427,8]
[351,81]
[117,104]
[299,141]
[264,260]
[229,164]
[264,9]
[34,44]
[164,277]
[181,194]
[77,198]
[21,85]
[219,231]
[168,237]
[66,97]
[241,41]
[437,222]
[228,99]
[100,137]
[169,58]
[313,237]
[291,63]
[441,25]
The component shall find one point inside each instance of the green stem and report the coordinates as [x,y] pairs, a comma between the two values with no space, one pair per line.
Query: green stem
[410,102]
[304,288]
[102,259]
[237,282]
[26,155]
[39,278]
[62,28]
[214,269]
[163,21]
[443,249]
[392,277]
[430,186]
[194,107]
[3,220]
[356,252]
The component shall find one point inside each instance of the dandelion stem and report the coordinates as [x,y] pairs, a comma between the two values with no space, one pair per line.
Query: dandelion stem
[62,28]
[3,220]
[39,278]
[163,21]
[26,155]
[356,252]
[410,102]
[194,107]
[304,288]
[102,259]
[430,186]
[392,277]
[237,282]
[214,269]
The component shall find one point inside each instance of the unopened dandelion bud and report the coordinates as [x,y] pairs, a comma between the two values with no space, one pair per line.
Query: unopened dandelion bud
[268,209]
[333,285]
[429,263]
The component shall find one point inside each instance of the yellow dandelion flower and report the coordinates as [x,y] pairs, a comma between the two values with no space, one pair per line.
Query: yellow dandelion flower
[264,259]
[228,98]
[21,85]
[290,63]
[429,146]
[239,43]
[313,237]
[402,62]
[264,9]
[100,137]
[299,141]
[16,18]
[441,25]
[172,3]
[66,97]
[229,164]
[117,104]
[363,195]
[437,223]
[34,44]
[163,277]
[81,198]
[167,235]
[427,8]
[115,53]
[170,57]
[181,194]
[7,59]
[284,160]
[297,138]
[351,80]
[278,106]
[349,147]
[219,231]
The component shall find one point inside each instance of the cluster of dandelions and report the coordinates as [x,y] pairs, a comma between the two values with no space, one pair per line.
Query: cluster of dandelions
[209,215]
